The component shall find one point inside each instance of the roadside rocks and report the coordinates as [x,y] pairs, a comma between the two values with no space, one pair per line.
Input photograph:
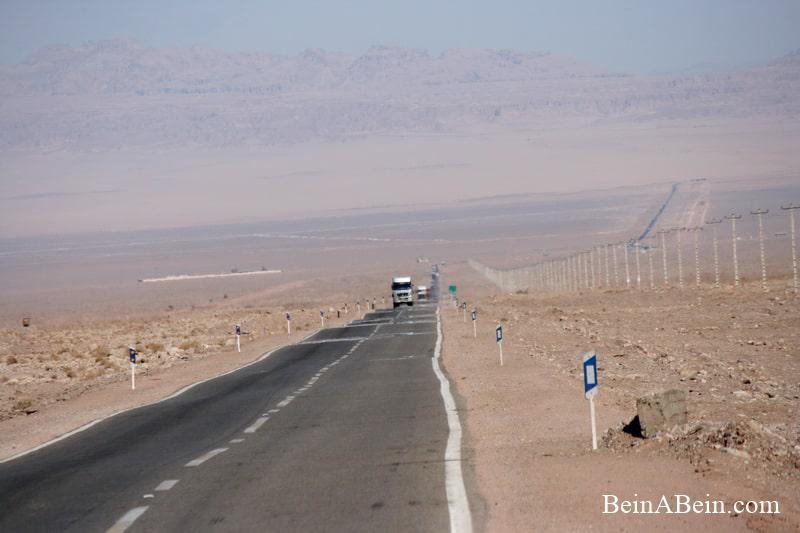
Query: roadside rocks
[661,411]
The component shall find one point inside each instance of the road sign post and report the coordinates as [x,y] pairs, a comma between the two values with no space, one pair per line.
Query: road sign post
[498,335]
[132,356]
[238,336]
[464,312]
[590,389]
[288,324]
[474,324]
[322,318]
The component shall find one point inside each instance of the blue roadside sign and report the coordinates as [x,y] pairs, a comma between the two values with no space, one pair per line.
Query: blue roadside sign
[132,354]
[288,316]
[590,374]
[498,333]
[474,315]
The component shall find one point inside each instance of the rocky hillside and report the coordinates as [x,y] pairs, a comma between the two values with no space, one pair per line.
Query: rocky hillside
[116,93]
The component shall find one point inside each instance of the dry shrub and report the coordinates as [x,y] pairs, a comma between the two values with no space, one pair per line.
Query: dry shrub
[100,352]
[189,345]
[23,405]
[11,360]
[92,374]
[154,347]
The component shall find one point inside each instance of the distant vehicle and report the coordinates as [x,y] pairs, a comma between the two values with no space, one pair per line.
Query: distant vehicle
[423,292]
[402,291]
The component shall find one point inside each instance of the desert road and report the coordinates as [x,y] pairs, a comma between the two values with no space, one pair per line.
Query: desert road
[346,430]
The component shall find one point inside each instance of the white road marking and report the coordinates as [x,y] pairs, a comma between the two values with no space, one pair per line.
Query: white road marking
[401,358]
[149,496]
[205,457]
[257,424]
[167,484]
[286,401]
[342,339]
[273,411]
[457,502]
[127,519]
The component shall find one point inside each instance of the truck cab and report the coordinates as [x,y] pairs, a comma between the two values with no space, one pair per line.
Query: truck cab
[402,291]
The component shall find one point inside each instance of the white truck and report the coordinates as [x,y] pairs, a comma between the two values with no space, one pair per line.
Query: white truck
[402,291]
[422,292]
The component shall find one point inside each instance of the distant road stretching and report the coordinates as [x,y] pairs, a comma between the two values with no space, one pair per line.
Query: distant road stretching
[344,431]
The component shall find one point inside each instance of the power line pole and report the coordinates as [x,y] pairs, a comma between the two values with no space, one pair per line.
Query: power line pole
[649,251]
[608,276]
[638,267]
[760,214]
[791,208]
[713,223]
[733,218]
[616,269]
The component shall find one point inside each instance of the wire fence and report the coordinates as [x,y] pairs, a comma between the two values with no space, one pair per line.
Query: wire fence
[755,247]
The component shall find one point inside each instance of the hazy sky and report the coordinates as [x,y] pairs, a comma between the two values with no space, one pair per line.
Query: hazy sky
[644,36]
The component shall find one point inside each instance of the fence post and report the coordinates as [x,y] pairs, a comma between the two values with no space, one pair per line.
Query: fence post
[760,214]
[733,218]
[791,208]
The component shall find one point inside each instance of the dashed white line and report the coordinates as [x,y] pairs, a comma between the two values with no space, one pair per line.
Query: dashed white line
[147,496]
[127,519]
[167,484]
[286,401]
[257,424]
[273,411]
[205,457]
[236,441]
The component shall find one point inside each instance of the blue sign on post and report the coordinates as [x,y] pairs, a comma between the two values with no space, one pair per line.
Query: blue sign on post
[132,354]
[474,315]
[498,333]
[288,316]
[590,374]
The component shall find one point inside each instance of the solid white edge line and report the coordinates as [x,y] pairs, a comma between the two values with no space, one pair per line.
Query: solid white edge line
[173,395]
[457,502]
[127,519]
[205,457]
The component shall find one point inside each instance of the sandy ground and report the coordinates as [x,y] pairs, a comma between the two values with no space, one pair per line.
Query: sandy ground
[528,433]
[57,378]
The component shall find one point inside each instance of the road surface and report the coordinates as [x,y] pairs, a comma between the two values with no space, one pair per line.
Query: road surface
[347,430]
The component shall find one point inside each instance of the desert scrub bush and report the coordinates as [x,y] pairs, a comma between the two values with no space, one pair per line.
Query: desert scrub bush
[11,360]
[23,405]
[100,353]
[91,374]
[154,347]
[189,345]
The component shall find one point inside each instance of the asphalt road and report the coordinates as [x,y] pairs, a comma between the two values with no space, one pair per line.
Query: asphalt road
[346,430]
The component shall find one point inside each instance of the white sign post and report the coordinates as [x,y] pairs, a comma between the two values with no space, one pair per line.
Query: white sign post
[132,355]
[288,324]
[464,312]
[322,318]
[590,389]
[238,336]
[498,335]
[474,324]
